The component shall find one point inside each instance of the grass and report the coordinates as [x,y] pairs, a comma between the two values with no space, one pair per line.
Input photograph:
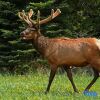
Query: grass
[32,87]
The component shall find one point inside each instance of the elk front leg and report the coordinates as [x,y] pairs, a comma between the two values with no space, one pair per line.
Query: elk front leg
[96,75]
[51,77]
[69,74]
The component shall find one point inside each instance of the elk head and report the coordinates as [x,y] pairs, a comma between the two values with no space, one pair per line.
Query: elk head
[33,29]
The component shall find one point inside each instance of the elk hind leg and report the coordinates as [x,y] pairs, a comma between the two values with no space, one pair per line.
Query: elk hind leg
[96,75]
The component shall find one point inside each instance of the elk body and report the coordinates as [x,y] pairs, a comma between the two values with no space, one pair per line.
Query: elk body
[63,52]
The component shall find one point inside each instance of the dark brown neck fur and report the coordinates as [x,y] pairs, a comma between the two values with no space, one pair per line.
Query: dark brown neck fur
[40,43]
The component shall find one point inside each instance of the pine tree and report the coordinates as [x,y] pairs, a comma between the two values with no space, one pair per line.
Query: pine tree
[7,30]
[78,19]
[12,50]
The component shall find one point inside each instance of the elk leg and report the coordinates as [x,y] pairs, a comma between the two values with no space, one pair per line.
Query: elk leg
[51,77]
[69,74]
[96,75]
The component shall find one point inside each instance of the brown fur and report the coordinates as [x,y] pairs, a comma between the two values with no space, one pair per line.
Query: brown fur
[70,52]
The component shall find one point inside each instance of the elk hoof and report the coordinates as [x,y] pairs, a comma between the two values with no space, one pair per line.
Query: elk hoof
[46,92]
[76,91]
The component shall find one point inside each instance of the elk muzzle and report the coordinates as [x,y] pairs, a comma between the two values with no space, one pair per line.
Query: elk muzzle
[23,35]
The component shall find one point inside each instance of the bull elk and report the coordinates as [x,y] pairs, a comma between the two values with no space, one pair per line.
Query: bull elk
[63,52]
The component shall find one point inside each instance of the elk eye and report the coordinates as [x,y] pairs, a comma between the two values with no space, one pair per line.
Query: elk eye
[26,33]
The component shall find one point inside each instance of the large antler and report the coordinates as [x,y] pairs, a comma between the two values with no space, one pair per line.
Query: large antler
[30,22]
[52,16]
[26,18]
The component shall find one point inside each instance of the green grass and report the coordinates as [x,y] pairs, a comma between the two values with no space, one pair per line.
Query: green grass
[32,87]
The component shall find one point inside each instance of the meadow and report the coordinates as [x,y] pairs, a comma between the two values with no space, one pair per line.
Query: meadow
[32,87]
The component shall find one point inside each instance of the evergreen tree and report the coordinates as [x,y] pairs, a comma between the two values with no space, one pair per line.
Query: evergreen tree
[7,30]
[78,19]
[12,49]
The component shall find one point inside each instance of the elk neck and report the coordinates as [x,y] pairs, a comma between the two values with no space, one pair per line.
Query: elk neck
[40,43]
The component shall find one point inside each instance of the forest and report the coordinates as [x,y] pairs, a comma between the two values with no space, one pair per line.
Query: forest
[78,19]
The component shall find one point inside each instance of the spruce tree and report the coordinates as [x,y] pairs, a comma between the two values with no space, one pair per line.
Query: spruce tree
[78,19]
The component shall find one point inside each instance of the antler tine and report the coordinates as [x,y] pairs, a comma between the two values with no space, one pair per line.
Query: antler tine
[23,12]
[38,16]
[20,15]
[52,16]
[56,13]
[30,13]
[52,12]
[24,17]
[38,20]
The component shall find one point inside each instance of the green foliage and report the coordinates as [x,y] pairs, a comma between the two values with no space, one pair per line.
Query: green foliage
[41,5]
[79,18]
[12,50]
[6,32]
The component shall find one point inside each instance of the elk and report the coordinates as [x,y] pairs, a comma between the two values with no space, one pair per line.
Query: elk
[62,52]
